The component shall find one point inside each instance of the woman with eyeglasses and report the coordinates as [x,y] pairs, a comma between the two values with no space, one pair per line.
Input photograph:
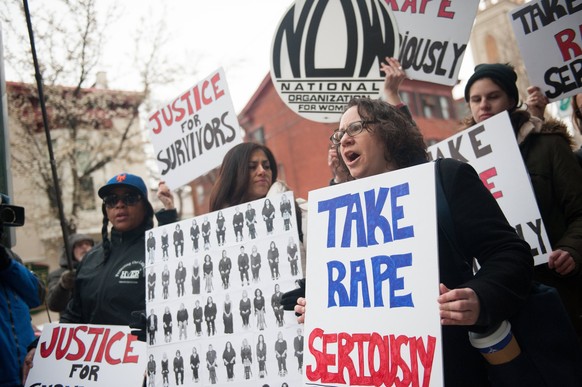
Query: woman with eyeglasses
[556,177]
[110,281]
[375,138]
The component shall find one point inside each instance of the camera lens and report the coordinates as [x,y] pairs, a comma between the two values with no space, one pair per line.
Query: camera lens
[7,215]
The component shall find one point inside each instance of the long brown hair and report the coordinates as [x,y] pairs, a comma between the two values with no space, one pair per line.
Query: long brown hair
[232,184]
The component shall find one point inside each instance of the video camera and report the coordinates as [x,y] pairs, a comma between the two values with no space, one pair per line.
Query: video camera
[10,216]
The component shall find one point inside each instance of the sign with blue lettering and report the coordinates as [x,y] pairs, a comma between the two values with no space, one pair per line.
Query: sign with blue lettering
[192,133]
[372,267]
[491,148]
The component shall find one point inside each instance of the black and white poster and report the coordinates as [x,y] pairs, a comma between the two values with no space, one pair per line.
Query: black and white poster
[214,283]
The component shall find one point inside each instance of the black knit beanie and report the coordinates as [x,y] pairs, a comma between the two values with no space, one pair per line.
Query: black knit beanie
[503,74]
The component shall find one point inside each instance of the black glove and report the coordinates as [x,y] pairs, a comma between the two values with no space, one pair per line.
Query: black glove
[138,324]
[289,299]
[4,258]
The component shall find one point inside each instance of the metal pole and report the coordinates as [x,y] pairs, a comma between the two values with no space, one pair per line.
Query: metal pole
[38,77]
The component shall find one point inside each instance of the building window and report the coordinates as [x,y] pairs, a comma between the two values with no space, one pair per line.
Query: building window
[445,108]
[408,98]
[258,135]
[430,106]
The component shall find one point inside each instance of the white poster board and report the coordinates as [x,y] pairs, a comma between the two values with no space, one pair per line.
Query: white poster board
[549,37]
[192,133]
[373,315]
[87,355]
[187,270]
[433,37]
[491,148]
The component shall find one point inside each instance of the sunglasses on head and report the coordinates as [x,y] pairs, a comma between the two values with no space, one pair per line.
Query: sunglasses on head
[129,199]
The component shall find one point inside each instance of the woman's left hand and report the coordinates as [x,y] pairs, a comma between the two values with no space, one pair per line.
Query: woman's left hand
[561,261]
[165,195]
[300,309]
[458,306]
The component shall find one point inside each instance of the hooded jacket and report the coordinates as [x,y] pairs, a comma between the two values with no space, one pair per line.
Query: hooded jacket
[58,297]
[556,178]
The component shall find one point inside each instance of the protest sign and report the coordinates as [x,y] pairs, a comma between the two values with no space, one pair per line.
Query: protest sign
[372,317]
[549,36]
[491,148]
[324,53]
[214,285]
[87,355]
[192,133]
[433,37]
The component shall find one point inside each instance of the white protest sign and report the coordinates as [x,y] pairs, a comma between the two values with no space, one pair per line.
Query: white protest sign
[433,37]
[491,148]
[549,36]
[87,355]
[192,133]
[373,316]
[214,285]
[324,53]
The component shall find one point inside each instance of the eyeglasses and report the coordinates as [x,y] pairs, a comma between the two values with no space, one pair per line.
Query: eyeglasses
[353,129]
[130,199]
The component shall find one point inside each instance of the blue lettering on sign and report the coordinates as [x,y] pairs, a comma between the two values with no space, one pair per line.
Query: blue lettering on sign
[367,223]
[384,268]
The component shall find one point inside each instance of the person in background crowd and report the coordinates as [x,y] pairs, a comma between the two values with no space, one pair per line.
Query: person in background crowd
[20,291]
[165,282]
[195,364]
[238,222]
[262,356]
[224,267]
[165,370]
[251,220]
[211,363]
[229,358]
[227,318]
[196,277]
[249,172]
[194,235]
[152,327]
[277,307]
[556,177]
[255,264]
[220,228]
[281,354]
[179,368]
[151,248]
[197,315]
[259,305]
[107,288]
[210,316]
[179,241]
[243,266]
[577,121]
[151,371]
[246,357]
[298,348]
[245,309]
[167,321]
[375,137]
[182,320]
[61,282]
[180,277]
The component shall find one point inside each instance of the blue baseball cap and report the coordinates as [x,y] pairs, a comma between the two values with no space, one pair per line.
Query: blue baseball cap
[124,180]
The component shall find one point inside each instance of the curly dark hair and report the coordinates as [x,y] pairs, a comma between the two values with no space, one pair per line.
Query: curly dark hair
[233,179]
[404,145]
